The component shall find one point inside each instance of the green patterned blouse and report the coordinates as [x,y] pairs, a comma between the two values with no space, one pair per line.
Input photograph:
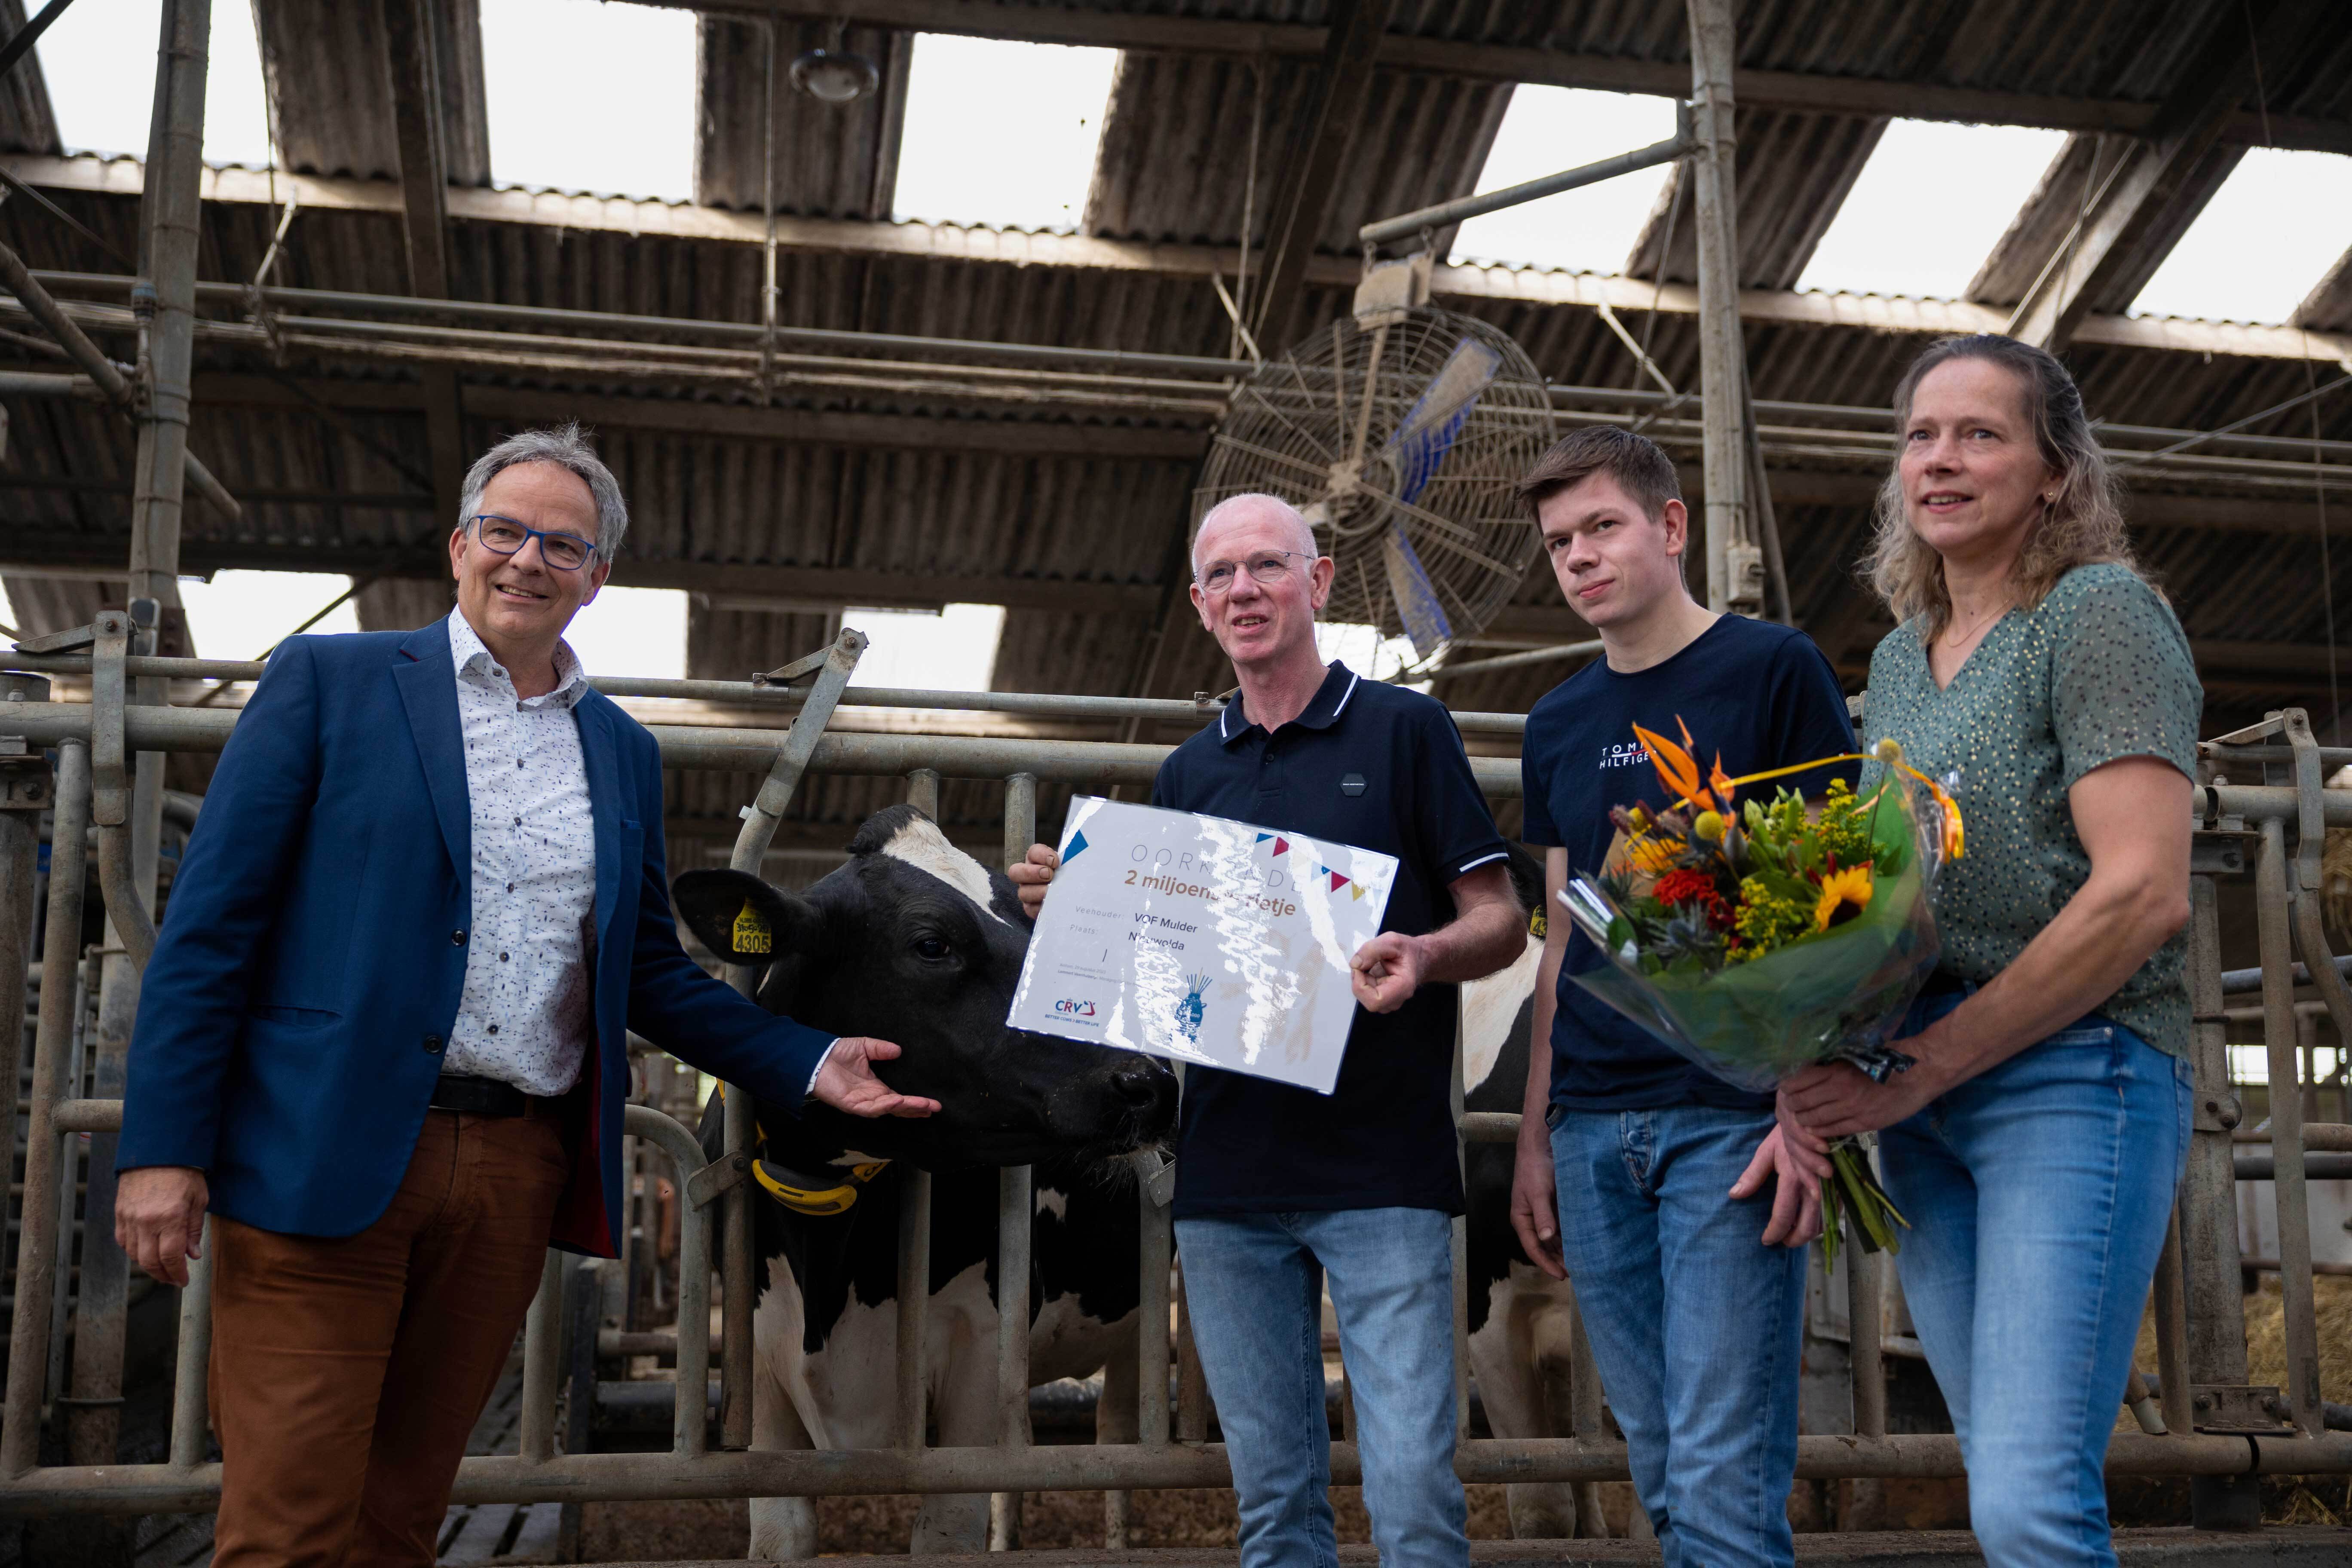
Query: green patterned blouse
[2100,671]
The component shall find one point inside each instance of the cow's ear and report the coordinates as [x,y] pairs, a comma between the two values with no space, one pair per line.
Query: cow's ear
[740,919]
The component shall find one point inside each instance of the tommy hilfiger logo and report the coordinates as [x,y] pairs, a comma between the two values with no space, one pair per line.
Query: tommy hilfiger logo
[1624,756]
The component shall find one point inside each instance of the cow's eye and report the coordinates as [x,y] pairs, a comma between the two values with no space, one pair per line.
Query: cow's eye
[932,948]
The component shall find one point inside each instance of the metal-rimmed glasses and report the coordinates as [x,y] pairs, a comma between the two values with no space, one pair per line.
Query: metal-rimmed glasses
[1267,566]
[505,536]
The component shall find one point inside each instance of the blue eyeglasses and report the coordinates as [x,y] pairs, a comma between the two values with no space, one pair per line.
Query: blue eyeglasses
[505,536]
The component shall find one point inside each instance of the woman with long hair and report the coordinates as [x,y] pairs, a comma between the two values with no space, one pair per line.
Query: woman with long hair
[2036,1144]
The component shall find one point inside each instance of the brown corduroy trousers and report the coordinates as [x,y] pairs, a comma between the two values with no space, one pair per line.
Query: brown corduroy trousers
[347,1374]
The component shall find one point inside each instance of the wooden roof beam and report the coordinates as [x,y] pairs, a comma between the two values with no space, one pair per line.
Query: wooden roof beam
[1798,91]
[1313,167]
[2151,189]
[411,66]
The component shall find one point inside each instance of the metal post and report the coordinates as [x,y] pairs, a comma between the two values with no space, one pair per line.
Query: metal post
[1866,1506]
[25,794]
[36,1242]
[923,792]
[584,1310]
[2172,1331]
[1457,1246]
[2208,1214]
[1863,1324]
[1734,564]
[1015,1217]
[170,211]
[689,1418]
[914,1306]
[1191,1377]
[1584,1423]
[2275,945]
[832,669]
[543,1361]
[190,1417]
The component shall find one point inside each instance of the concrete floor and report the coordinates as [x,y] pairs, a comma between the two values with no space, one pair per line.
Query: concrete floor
[2282,1547]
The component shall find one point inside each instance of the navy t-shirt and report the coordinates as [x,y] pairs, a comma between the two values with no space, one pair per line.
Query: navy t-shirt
[1381,768]
[1759,694]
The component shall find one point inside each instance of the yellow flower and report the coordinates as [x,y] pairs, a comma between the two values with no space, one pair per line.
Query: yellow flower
[1843,891]
[1654,856]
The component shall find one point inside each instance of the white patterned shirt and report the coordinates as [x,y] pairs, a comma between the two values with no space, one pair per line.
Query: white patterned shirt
[524,1017]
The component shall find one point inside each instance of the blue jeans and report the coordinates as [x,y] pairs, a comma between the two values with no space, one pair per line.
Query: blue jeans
[1254,1284]
[2049,1178]
[1696,1326]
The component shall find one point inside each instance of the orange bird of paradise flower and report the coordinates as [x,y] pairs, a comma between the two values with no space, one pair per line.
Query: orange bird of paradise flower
[1679,769]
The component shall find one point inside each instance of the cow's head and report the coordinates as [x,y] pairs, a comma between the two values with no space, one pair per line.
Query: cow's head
[916,942]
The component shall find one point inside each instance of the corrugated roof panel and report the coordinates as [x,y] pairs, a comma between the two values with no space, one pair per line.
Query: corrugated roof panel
[833,160]
[1793,170]
[333,97]
[27,124]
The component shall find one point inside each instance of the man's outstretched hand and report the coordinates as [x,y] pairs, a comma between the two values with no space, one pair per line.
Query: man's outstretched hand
[159,1218]
[847,1081]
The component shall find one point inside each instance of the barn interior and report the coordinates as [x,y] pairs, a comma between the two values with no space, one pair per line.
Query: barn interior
[820,406]
[375,309]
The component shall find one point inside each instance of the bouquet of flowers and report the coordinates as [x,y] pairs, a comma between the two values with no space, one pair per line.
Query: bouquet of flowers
[1761,938]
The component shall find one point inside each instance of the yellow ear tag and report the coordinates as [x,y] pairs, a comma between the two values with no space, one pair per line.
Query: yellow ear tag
[751,934]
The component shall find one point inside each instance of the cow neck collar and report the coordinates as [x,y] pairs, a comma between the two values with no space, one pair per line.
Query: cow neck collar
[820,1194]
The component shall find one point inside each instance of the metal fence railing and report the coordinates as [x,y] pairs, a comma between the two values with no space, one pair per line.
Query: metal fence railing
[2260,811]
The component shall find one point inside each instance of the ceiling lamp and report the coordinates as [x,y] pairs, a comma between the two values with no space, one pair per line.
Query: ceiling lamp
[835,75]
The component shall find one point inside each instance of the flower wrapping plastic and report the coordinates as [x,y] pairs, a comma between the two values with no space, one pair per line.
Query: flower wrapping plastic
[1836,994]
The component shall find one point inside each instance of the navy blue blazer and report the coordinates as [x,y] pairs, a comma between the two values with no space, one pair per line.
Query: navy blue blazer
[292,1020]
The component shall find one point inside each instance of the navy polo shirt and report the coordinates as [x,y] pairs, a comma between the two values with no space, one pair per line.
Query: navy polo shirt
[1760,696]
[1382,768]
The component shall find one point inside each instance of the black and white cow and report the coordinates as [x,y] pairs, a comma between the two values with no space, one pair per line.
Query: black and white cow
[913,941]
[1520,1318]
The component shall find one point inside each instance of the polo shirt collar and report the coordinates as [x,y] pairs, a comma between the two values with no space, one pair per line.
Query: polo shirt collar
[1322,711]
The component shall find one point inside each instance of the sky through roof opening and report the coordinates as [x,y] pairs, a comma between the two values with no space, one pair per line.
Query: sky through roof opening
[953,650]
[2262,242]
[1546,129]
[632,631]
[1362,649]
[1928,208]
[244,614]
[98,62]
[589,97]
[1001,133]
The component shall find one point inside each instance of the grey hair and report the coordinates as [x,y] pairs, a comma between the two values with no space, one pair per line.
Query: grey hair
[568,449]
[1216,513]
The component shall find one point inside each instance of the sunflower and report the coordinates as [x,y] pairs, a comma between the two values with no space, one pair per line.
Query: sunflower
[1844,894]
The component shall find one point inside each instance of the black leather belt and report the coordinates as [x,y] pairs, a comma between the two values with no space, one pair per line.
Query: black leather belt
[478,1095]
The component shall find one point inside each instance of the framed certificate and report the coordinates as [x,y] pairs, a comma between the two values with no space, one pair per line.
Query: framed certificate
[1203,940]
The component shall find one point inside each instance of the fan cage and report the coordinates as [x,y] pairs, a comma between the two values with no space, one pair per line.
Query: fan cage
[1313,427]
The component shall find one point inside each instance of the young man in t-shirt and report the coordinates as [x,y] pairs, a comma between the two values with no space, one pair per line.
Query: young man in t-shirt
[1667,1196]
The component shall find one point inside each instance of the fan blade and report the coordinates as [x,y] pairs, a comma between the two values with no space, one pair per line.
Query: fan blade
[1416,600]
[1436,417]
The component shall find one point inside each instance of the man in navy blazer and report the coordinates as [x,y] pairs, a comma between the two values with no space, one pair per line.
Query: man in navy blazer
[382,1037]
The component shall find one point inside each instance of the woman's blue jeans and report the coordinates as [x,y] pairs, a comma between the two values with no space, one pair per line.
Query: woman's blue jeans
[2038,1194]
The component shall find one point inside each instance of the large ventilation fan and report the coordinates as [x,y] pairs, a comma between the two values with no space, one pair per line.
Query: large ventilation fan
[1400,433]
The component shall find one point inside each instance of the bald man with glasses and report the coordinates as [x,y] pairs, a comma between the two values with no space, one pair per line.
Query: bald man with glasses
[383,1038]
